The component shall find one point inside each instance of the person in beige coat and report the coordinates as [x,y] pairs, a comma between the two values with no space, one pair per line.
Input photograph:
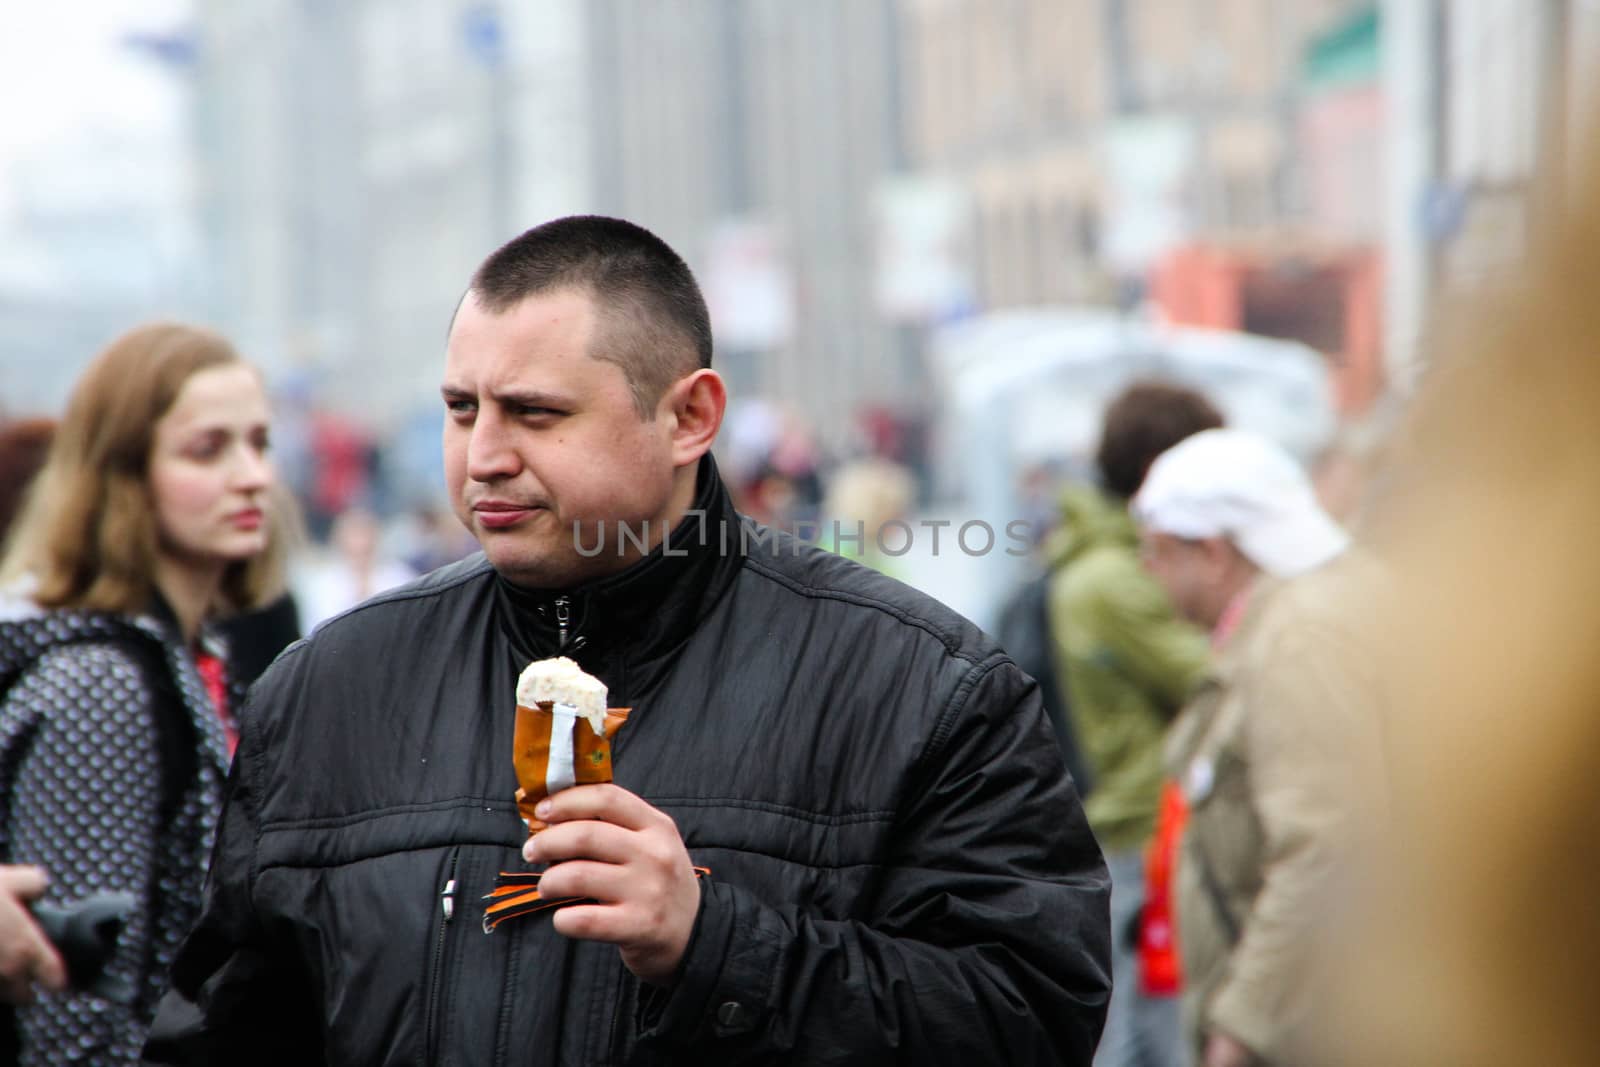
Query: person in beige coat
[1271,754]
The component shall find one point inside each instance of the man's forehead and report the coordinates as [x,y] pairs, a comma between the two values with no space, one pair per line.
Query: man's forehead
[545,344]
[572,302]
[565,318]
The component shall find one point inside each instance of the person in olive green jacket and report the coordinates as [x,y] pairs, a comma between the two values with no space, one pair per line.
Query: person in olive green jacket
[1129,664]
[1277,754]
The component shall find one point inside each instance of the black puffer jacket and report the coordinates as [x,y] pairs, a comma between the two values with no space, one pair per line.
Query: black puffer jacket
[901,872]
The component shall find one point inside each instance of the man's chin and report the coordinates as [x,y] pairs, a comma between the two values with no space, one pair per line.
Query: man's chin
[537,570]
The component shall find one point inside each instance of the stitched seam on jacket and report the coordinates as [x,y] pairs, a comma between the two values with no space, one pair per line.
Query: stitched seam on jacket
[802,814]
[381,853]
[810,865]
[958,703]
[951,644]
[335,822]
[392,597]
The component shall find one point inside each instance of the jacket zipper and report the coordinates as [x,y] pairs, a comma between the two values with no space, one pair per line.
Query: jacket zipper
[563,620]
[447,909]
[564,626]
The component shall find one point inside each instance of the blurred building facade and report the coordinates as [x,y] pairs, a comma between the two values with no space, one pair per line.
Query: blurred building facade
[97,233]
[750,135]
[358,159]
[846,175]
[1488,101]
[1096,134]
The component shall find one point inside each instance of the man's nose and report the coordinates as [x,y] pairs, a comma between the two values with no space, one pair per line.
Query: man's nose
[491,452]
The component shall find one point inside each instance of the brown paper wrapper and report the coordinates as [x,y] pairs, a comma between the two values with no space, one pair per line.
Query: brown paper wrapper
[591,755]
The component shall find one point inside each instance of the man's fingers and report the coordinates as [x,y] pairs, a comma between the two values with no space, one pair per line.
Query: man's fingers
[587,839]
[608,803]
[605,882]
[24,883]
[608,923]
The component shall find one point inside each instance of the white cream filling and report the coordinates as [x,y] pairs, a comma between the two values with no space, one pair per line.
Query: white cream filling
[561,681]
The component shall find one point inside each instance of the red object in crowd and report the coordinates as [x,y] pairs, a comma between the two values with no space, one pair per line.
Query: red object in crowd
[1160,970]
[341,450]
[214,675]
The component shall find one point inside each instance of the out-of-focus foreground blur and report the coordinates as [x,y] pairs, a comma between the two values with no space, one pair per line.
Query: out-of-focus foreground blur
[1479,947]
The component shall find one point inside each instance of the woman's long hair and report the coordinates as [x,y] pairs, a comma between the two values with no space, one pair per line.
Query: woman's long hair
[87,536]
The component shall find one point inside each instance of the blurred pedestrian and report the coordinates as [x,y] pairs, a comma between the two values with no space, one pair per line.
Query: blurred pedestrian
[865,508]
[357,567]
[1129,664]
[1275,755]
[432,538]
[150,518]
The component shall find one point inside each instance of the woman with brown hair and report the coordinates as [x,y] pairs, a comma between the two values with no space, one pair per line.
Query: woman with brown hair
[150,518]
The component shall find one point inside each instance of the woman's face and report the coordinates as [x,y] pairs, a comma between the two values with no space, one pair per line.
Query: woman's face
[209,471]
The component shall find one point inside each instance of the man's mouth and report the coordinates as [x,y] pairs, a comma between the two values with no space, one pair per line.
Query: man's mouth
[500,514]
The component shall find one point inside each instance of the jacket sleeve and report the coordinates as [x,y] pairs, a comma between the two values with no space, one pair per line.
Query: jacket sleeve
[1112,602]
[987,941]
[233,998]
[84,805]
[1315,753]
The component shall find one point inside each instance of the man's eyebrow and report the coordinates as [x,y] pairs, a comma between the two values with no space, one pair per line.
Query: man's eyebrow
[529,398]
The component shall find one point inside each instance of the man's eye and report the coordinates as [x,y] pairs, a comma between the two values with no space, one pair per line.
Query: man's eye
[459,407]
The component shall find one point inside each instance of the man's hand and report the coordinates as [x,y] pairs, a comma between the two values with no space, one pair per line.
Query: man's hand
[26,956]
[1224,1051]
[607,843]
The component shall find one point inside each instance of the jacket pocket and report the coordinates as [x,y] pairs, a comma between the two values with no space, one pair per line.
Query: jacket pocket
[448,894]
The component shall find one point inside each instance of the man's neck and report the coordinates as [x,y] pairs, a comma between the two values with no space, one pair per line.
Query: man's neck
[684,491]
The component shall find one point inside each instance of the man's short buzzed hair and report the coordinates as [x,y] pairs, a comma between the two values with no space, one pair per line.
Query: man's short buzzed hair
[653,319]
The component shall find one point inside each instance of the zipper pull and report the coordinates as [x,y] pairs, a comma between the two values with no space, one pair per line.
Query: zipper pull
[447,900]
[563,620]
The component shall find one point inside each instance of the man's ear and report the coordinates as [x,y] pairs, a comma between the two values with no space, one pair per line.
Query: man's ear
[696,405]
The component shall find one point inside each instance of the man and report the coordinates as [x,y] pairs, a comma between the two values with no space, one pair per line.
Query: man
[26,956]
[1129,665]
[1271,753]
[898,870]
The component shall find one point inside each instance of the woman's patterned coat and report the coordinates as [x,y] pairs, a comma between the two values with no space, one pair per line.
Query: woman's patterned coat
[97,714]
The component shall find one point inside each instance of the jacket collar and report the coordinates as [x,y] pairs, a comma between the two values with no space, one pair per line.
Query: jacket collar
[650,607]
